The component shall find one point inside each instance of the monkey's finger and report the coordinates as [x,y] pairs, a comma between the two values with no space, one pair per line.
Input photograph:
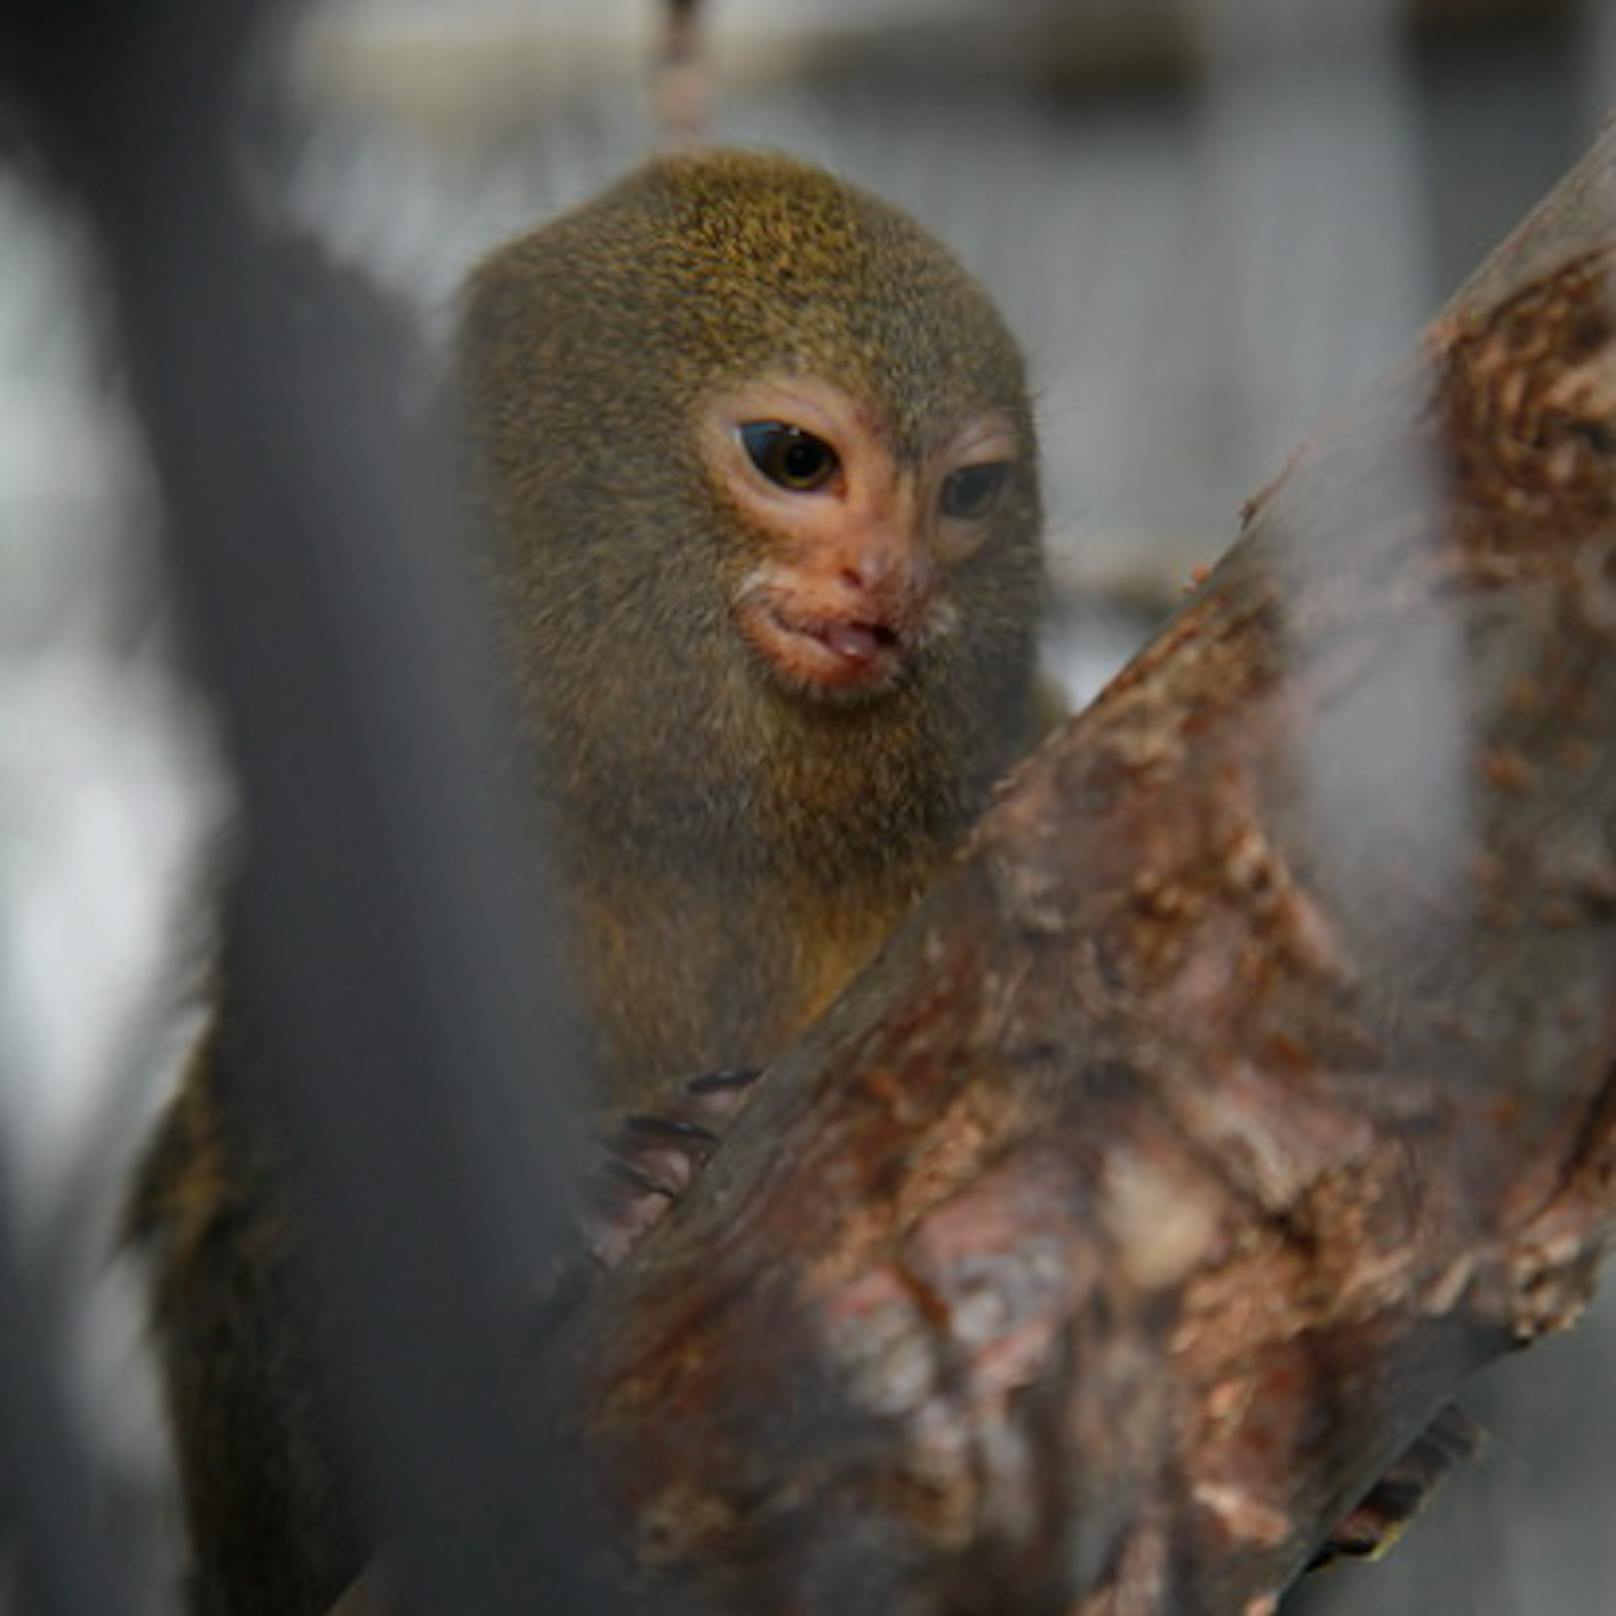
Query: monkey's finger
[677,1129]
[717,1096]
[727,1080]
[626,1203]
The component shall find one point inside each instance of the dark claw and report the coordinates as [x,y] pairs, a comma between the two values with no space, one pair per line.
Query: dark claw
[718,1095]
[731,1078]
[675,1128]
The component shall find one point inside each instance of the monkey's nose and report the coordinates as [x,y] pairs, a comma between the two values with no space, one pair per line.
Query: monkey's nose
[867,565]
[886,582]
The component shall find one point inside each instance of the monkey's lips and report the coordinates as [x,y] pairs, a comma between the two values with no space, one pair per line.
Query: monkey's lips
[821,651]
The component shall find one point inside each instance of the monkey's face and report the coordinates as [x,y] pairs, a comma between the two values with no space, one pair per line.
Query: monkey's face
[851,546]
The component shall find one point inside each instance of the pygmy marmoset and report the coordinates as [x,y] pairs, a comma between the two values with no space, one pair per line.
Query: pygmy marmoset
[756,462]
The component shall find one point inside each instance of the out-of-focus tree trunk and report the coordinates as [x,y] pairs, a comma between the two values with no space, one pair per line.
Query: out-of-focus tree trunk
[1250,1081]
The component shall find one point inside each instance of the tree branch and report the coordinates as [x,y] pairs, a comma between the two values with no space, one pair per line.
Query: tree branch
[1249,1082]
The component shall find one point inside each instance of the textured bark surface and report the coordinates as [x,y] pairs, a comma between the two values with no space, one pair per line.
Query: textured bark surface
[1250,1081]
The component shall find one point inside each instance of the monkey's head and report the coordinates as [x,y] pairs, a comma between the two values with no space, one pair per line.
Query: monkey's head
[751,437]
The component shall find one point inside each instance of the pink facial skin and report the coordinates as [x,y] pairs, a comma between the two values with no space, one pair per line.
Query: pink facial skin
[854,570]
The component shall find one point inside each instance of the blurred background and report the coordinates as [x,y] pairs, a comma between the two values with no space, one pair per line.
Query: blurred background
[1210,222]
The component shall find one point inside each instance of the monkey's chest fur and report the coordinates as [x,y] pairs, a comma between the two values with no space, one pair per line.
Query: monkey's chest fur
[727,871]
[688,969]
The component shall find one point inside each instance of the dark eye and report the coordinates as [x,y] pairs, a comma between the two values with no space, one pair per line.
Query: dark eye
[974,490]
[789,456]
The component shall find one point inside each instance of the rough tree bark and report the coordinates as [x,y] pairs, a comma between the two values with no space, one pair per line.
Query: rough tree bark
[1250,1081]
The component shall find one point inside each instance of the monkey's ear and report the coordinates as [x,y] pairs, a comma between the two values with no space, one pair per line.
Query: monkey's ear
[499,347]
[490,302]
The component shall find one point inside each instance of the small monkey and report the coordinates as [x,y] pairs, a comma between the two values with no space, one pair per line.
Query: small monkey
[757,465]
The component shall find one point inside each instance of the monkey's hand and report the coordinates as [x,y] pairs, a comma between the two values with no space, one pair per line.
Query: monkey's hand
[652,1158]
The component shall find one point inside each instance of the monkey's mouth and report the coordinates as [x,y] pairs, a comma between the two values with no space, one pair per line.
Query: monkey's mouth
[821,652]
